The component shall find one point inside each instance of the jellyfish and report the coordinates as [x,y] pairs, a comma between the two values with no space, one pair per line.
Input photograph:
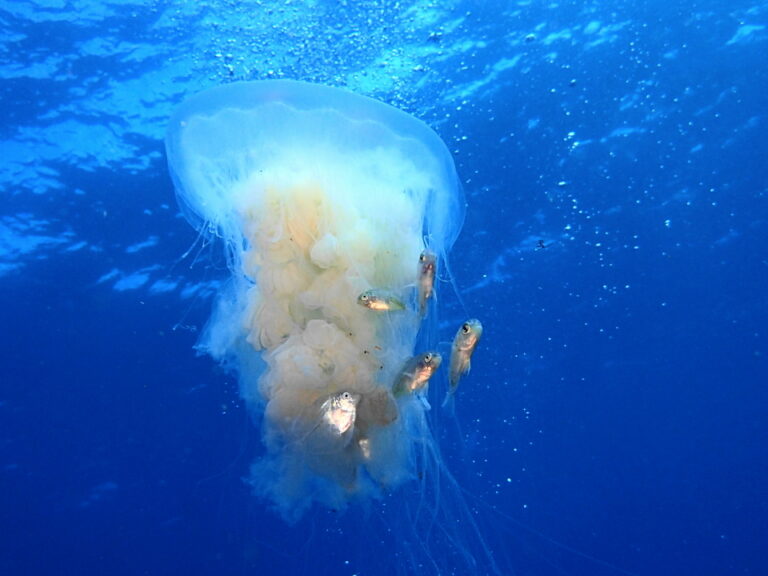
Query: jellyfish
[320,195]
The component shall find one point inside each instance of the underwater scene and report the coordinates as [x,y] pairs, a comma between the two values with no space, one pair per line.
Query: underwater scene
[373,287]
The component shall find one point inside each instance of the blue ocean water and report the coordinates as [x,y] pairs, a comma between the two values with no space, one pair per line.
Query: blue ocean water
[615,419]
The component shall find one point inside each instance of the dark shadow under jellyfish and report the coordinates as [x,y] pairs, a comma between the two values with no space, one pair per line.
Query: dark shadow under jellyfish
[322,195]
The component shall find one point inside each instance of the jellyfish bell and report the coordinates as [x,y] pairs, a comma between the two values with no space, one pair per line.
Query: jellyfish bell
[321,195]
[224,137]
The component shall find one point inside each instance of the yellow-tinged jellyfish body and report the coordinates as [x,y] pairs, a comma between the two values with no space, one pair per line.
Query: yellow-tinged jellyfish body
[320,195]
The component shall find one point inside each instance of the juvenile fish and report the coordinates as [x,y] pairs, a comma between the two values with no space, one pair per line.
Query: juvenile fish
[426,278]
[463,346]
[339,412]
[416,373]
[380,300]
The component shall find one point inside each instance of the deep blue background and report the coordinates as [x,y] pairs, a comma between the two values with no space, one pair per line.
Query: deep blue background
[617,407]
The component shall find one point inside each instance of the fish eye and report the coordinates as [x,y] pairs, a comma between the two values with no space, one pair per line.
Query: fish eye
[364,296]
[427,357]
[346,395]
[466,328]
[422,257]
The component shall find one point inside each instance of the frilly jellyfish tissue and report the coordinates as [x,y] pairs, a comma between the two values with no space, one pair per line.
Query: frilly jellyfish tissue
[321,195]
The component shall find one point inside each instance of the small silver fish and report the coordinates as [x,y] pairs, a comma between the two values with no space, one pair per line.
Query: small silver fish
[339,411]
[426,278]
[416,373]
[380,300]
[463,346]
